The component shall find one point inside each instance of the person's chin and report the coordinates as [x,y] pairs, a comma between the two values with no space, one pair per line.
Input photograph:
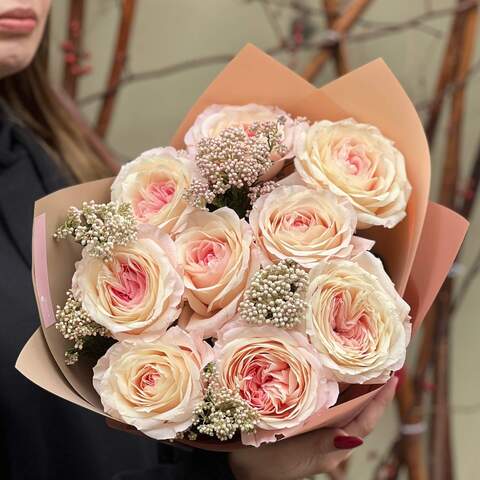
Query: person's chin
[15,55]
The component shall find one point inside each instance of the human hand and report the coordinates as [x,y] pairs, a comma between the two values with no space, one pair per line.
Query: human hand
[315,452]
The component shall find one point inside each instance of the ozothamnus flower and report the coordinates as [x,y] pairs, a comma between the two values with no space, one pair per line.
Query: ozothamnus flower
[99,227]
[276,296]
[74,323]
[223,412]
[260,189]
[216,118]
[199,195]
[232,162]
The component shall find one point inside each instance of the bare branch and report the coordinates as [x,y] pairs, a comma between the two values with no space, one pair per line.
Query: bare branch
[118,63]
[339,50]
[339,27]
[326,42]
[72,46]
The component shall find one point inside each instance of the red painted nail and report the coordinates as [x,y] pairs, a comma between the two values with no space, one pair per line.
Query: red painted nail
[346,442]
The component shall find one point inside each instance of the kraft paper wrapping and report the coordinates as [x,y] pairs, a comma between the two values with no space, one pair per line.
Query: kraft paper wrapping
[418,253]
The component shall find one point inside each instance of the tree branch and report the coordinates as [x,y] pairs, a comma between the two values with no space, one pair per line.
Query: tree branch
[339,50]
[339,27]
[327,42]
[72,46]
[441,466]
[118,63]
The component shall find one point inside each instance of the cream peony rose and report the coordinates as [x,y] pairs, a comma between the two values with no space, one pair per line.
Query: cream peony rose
[154,183]
[357,319]
[356,161]
[136,294]
[217,253]
[305,225]
[216,118]
[154,386]
[278,373]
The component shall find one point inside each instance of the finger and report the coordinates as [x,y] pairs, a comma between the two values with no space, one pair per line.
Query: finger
[296,457]
[300,456]
[318,451]
[366,421]
[325,441]
[334,446]
[317,442]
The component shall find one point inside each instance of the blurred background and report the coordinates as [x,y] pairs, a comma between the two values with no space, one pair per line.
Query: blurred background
[134,68]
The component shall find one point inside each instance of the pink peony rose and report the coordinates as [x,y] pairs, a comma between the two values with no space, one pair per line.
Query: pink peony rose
[136,294]
[278,373]
[154,183]
[357,320]
[356,161]
[217,253]
[154,386]
[305,225]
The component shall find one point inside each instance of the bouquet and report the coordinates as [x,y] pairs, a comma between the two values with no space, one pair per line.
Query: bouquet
[251,281]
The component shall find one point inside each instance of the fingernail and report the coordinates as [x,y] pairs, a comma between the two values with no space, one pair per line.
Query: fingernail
[346,442]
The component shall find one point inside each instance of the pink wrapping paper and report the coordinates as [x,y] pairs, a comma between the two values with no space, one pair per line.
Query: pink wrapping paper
[40,276]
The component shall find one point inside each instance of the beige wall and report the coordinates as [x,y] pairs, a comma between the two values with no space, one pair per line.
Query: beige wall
[147,113]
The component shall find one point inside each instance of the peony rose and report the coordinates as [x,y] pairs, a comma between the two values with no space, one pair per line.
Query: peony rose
[356,161]
[278,373]
[135,294]
[154,183]
[217,253]
[305,225]
[154,386]
[357,319]
[216,118]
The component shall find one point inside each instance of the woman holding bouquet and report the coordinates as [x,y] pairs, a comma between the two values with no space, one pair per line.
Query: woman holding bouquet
[40,151]
[42,436]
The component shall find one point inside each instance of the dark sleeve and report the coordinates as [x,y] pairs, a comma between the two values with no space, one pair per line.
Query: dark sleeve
[179,463]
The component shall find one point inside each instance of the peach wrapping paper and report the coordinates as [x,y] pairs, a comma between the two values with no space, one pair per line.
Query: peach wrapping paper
[417,253]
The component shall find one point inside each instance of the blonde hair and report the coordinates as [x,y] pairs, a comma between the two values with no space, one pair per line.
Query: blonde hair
[35,103]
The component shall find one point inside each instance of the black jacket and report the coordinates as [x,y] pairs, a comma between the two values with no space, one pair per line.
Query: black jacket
[44,437]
